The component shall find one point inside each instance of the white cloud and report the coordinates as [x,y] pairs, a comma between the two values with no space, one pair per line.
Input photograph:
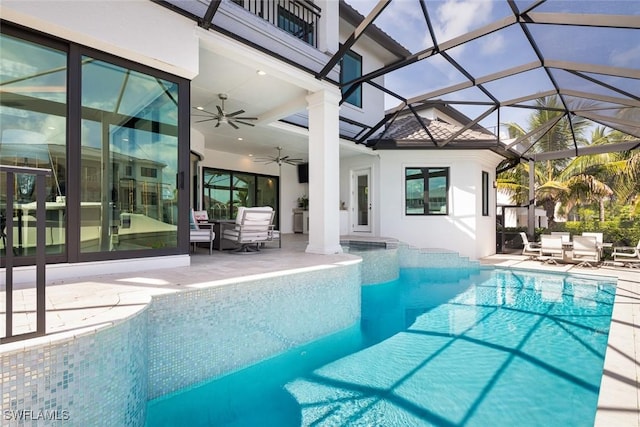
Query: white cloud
[625,58]
[492,45]
[457,17]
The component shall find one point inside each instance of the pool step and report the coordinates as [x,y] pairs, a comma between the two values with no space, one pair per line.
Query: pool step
[412,257]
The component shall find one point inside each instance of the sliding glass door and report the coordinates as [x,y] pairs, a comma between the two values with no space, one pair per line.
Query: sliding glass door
[33,133]
[108,130]
[129,159]
[225,191]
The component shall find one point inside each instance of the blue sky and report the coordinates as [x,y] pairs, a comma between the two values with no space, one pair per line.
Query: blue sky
[403,21]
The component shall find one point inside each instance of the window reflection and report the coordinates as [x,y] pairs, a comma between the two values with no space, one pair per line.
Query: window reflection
[225,191]
[129,159]
[426,191]
[33,134]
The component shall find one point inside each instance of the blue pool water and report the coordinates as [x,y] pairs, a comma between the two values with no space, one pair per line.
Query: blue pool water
[436,347]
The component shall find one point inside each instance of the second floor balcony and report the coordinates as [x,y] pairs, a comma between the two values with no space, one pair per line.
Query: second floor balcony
[297,17]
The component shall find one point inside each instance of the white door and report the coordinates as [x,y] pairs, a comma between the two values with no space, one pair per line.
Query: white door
[361,201]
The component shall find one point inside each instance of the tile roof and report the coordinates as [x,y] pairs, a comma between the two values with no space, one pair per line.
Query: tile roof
[409,131]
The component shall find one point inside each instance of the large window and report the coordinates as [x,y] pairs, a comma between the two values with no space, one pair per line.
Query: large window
[108,130]
[129,119]
[351,69]
[225,191]
[426,191]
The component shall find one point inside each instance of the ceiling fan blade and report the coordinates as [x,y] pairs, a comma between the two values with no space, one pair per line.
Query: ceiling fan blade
[217,124]
[245,118]
[205,120]
[234,125]
[205,111]
[244,123]
[220,110]
[235,113]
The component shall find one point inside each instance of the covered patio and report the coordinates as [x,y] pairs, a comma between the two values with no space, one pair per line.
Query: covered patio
[494,62]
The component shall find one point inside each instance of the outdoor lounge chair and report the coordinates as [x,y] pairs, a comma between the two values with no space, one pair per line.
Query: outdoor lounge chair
[551,249]
[253,227]
[585,251]
[599,240]
[628,255]
[531,249]
[566,236]
[198,234]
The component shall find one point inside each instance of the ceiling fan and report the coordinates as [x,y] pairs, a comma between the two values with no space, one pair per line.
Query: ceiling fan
[222,116]
[279,159]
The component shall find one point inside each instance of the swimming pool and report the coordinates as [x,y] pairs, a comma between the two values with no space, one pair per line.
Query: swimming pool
[471,347]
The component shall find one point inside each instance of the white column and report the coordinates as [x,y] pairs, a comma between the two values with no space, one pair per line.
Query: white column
[328,37]
[324,172]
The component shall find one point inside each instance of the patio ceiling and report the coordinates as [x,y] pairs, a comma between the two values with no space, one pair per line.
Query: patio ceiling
[494,61]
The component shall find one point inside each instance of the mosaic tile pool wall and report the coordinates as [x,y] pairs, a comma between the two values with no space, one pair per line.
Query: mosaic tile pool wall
[95,379]
[203,333]
[105,377]
[378,265]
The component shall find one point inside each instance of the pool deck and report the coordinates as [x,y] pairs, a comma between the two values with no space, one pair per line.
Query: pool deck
[75,306]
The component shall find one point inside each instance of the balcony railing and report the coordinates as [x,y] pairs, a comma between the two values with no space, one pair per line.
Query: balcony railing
[297,17]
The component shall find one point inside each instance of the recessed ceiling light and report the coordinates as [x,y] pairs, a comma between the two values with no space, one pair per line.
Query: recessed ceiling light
[239,138]
[261,73]
[199,108]
[250,155]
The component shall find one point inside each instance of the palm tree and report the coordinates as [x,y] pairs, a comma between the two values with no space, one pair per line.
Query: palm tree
[623,172]
[563,182]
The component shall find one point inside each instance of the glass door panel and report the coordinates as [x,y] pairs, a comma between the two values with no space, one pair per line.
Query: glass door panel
[243,192]
[267,195]
[129,158]
[33,129]
[362,203]
[217,194]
